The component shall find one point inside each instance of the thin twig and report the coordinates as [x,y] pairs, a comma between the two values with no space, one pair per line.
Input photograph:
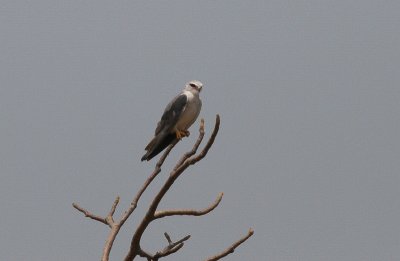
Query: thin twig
[210,142]
[168,237]
[195,146]
[110,218]
[168,250]
[232,248]
[113,207]
[188,212]
[172,247]
[196,158]
[89,214]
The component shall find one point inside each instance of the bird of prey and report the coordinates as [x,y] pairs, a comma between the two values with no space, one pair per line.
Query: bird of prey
[178,116]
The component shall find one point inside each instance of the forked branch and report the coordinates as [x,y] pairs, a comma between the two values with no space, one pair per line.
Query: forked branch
[188,159]
[116,226]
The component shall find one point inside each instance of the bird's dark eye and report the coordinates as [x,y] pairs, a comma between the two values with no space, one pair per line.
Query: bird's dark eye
[193,85]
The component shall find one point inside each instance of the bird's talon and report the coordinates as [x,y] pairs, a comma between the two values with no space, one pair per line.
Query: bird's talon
[185,133]
[178,135]
[182,133]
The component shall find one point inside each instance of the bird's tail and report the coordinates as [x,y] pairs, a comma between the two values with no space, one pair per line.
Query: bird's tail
[158,144]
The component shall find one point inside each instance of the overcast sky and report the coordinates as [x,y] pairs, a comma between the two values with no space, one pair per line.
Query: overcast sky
[308,151]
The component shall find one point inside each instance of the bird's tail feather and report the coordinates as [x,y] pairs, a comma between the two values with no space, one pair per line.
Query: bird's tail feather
[158,144]
[151,143]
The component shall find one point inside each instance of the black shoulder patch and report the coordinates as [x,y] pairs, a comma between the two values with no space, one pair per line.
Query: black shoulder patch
[172,113]
[179,103]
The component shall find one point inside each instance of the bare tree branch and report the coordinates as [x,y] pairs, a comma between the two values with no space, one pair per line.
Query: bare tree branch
[157,170]
[109,218]
[178,170]
[89,214]
[168,237]
[116,226]
[172,246]
[188,159]
[113,207]
[188,212]
[232,248]
[195,146]
[168,250]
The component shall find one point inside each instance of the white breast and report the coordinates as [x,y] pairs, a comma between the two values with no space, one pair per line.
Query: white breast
[192,110]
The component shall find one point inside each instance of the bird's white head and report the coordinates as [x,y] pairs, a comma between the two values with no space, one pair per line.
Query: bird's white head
[194,87]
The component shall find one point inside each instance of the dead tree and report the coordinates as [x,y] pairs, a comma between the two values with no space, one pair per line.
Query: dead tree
[135,249]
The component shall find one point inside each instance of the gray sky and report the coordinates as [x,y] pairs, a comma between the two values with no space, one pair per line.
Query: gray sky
[308,151]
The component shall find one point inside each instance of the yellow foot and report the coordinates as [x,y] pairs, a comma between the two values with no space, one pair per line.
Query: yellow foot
[181,133]
[187,133]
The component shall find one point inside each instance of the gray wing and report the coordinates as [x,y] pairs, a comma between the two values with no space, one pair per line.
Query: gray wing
[172,113]
[163,136]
